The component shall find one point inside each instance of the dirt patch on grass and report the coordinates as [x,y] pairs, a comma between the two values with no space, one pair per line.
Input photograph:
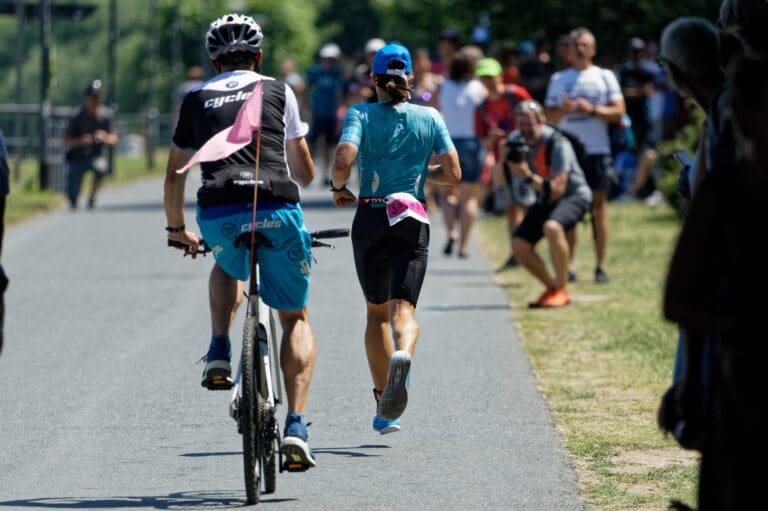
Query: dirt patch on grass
[630,461]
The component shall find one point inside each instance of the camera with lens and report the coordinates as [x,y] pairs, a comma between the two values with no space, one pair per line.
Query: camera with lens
[518,150]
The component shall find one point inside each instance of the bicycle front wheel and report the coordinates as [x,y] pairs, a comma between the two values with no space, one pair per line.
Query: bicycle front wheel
[251,408]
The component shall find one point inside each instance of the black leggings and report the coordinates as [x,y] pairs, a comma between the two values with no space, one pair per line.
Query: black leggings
[391,261]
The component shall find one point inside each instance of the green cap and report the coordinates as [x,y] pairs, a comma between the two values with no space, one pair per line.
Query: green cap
[488,67]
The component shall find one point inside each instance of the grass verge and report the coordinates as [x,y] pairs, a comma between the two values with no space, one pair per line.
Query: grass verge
[604,361]
[27,200]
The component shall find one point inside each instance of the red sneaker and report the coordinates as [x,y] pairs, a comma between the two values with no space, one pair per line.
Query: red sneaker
[556,298]
[541,299]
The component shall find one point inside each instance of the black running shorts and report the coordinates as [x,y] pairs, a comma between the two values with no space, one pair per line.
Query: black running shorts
[598,169]
[391,261]
[566,212]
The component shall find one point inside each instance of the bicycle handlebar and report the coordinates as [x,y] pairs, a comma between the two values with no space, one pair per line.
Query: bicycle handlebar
[177,244]
[330,233]
[317,235]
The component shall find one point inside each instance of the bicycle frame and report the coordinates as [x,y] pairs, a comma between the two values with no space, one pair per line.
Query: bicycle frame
[260,333]
[268,347]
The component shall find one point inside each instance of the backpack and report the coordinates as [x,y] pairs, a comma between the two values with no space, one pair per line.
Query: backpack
[578,147]
[620,133]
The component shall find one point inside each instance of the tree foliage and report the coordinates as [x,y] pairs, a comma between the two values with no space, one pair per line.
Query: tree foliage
[79,47]
[418,23]
[296,28]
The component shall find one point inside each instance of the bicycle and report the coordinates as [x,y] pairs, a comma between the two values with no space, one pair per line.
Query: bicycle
[256,389]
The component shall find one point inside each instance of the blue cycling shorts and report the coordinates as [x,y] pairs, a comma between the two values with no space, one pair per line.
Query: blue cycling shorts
[284,268]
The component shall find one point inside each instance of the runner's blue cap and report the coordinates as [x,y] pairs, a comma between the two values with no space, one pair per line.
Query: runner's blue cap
[392,53]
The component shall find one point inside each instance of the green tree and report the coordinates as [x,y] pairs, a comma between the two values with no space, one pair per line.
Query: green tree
[295,28]
[418,23]
[79,47]
[359,23]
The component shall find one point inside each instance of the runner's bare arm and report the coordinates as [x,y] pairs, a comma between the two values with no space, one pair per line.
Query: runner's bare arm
[344,157]
[448,172]
[342,164]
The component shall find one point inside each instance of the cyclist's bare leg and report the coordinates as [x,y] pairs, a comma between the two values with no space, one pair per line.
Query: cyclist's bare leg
[297,357]
[225,294]
[405,330]
[378,343]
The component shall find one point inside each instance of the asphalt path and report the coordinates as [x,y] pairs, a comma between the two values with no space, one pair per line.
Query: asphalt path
[101,406]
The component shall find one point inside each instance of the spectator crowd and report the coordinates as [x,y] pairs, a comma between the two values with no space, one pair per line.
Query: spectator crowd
[609,120]
[547,139]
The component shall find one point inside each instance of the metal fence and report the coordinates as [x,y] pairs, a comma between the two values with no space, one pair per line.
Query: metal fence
[139,135]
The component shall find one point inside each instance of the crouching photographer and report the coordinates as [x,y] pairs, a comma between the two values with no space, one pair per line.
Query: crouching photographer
[543,158]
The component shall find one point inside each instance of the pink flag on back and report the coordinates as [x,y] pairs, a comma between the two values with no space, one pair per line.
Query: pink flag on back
[233,138]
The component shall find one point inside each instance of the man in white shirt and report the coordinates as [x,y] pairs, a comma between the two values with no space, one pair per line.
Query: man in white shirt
[584,99]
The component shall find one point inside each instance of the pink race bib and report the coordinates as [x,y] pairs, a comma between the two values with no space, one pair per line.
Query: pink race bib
[404,205]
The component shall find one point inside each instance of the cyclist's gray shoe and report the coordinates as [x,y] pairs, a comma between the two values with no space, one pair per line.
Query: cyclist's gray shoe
[394,398]
[295,445]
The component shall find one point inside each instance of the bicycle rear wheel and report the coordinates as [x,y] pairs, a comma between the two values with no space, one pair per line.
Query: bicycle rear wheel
[270,465]
[251,409]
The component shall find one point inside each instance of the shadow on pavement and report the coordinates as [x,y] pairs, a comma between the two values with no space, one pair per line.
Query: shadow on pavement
[468,307]
[489,284]
[210,454]
[195,499]
[350,451]
[455,272]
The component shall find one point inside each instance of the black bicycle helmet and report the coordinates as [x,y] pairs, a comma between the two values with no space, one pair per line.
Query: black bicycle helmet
[233,33]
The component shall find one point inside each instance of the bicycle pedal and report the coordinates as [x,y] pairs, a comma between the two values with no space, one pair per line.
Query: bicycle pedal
[218,384]
[290,466]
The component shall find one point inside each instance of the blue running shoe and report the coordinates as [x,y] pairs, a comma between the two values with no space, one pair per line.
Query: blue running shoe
[383,426]
[394,398]
[218,371]
[295,446]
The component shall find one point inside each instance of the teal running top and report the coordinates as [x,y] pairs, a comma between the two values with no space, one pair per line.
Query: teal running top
[394,145]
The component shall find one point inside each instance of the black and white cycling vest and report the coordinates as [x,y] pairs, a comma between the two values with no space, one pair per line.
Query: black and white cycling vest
[213,107]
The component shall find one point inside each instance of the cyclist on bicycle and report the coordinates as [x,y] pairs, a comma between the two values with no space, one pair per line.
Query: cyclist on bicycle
[392,141]
[225,208]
